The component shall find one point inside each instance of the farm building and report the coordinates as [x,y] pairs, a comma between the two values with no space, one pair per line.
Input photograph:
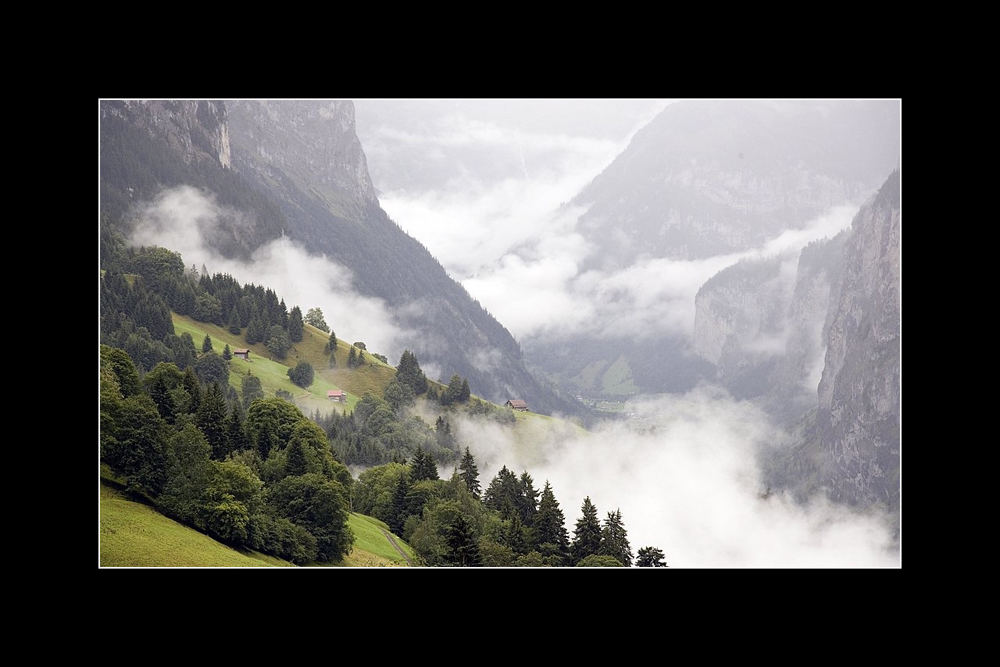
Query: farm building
[337,395]
[517,404]
[242,354]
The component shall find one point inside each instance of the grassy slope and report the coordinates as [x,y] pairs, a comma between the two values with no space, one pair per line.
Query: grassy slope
[133,534]
[369,537]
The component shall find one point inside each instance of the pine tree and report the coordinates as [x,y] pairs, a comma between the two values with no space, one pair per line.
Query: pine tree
[236,437]
[550,528]
[211,419]
[352,358]
[206,345]
[443,435]
[503,494]
[462,548]
[256,330]
[331,343]
[193,388]
[527,499]
[650,557]
[234,321]
[408,372]
[397,514]
[587,535]
[423,466]
[295,325]
[454,390]
[464,395]
[227,354]
[614,540]
[469,473]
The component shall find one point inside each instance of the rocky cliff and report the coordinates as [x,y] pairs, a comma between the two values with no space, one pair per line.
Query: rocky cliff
[849,445]
[762,324]
[195,130]
[858,419]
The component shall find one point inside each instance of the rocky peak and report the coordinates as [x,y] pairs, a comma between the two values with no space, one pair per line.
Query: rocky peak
[311,142]
[196,129]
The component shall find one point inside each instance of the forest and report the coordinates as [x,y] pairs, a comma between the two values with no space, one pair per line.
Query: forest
[253,471]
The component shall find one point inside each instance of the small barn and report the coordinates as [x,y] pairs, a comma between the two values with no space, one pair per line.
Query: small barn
[242,354]
[517,404]
[337,395]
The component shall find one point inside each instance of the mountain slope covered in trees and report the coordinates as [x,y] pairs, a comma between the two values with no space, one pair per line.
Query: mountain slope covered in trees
[298,168]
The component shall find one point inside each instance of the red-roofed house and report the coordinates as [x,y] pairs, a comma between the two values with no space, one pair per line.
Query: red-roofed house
[337,395]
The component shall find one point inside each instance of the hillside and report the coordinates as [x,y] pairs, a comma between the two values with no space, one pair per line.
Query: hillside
[136,535]
[298,169]
[531,430]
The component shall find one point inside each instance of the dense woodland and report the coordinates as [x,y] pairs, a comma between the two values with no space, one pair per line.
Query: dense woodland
[254,471]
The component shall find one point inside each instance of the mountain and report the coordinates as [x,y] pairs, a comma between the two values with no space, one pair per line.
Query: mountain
[850,443]
[762,324]
[298,168]
[702,181]
[712,177]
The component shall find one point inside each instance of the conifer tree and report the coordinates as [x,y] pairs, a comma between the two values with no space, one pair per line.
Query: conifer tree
[352,358]
[464,394]
[397,514]
[206,344]
[227,354]
[587,535]
[550,528]
[462,548]
[470,473]
[650,557]
[193,388]
[211,419]
[527,499]
[408,372]
[614,540]
[236,437]
[295,325]
[331,343]
[234,321]
[423,466]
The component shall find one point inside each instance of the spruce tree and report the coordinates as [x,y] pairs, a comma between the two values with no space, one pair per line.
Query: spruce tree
[352,358]
[469,473]
[503,494]
[650,557]
[211,419]
[234,321]
[331,343]
[295,325]
[423,466]
[528,499]
[464,394]
[587,534]
[227,354]
[443,435]
[193,388]
[206,344]
[462,548]
[614,540]
[397,513]
[408,372]
[550,528]
[236,437]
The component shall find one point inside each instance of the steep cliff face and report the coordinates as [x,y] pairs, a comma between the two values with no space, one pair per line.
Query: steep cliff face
[857,422]
[312,144]
[195,130]
[762,322]
[711,177]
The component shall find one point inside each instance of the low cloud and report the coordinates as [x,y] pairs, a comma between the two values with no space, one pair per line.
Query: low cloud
[184,219]
[683,472]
